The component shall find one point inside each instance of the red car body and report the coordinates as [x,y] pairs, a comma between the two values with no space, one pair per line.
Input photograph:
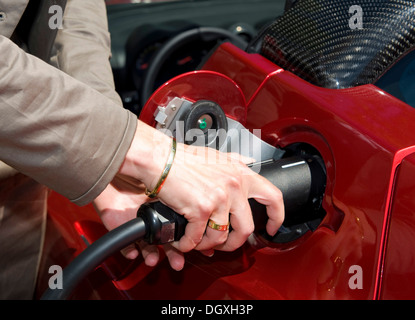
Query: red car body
[366,139]
[362,249]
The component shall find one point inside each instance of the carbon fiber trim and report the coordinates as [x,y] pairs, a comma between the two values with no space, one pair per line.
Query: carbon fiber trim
[315,41]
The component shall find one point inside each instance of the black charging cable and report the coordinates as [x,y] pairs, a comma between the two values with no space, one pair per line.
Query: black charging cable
[155,223]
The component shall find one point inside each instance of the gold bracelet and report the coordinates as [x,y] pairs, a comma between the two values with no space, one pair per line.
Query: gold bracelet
[163,177]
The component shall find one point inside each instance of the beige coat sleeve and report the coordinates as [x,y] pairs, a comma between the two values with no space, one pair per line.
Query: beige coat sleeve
[58,130]
[82,47]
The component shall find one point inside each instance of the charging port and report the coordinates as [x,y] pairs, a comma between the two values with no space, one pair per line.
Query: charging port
[301,177]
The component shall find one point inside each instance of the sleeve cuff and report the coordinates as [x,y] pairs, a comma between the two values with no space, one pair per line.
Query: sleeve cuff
[114,165]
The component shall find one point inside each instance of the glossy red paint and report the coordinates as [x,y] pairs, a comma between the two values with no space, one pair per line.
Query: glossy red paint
[363,135]
[365,138]
[398,273]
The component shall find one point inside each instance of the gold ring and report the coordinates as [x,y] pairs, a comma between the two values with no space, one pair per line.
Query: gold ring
[219,227]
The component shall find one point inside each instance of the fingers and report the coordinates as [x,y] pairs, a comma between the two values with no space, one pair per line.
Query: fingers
[216,230]
[241,219]
[220,237]
[218,191]
[232,211]
[192,237]
[242,226]
[130,252]
[267,194]
[214,237]
[151,255]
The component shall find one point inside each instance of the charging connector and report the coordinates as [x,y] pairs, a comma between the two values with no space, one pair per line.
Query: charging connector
[155,223]
[163,225]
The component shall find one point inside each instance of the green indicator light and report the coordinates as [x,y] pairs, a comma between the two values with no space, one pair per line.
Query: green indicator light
[202,124]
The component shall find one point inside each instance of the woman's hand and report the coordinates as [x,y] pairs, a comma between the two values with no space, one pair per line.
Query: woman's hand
[203,184]
[119,203]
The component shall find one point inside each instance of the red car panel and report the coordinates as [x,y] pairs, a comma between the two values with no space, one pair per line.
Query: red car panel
[365,139]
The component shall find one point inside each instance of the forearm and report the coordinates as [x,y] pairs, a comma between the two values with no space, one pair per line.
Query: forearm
[56,129]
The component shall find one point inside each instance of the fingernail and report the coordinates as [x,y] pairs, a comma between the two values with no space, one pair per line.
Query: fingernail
[208,253]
